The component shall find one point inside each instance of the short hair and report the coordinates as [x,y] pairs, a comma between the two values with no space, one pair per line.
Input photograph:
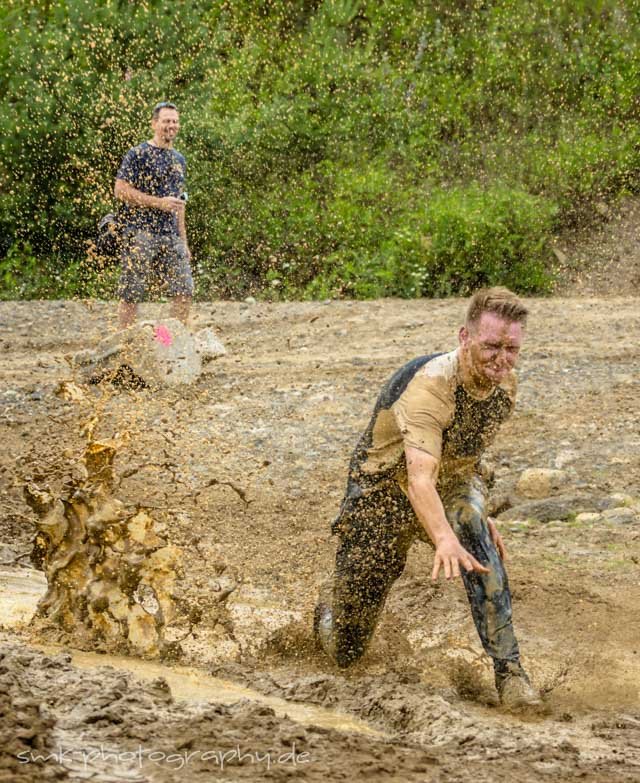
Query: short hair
[497,300]
[160,106]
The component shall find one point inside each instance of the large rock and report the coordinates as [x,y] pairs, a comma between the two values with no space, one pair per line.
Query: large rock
[150,354]
[557,508]
[540,482]
[621,515]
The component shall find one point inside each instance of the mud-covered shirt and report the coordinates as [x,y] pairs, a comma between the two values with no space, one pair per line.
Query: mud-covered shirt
[426,405]
[156,171]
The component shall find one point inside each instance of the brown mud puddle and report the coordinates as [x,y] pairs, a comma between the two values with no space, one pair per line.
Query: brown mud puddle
[20,591]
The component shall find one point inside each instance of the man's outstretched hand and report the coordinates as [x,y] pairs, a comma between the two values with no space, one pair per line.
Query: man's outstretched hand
[450,555]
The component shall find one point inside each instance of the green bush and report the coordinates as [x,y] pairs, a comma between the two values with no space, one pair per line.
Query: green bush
[24,276]
[333,145]
[476,237]
[460,239]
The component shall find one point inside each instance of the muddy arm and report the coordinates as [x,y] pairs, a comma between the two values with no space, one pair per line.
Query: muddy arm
[422,471]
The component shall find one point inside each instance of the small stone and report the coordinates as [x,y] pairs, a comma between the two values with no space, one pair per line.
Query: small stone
[622,499]
[620,516]
[208,345]
[69,391]
[540,482]
[588,517]
[250,300]
[564,458]
[551,509]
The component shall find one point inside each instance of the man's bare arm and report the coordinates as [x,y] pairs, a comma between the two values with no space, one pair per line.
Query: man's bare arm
[422,472]
[130,195]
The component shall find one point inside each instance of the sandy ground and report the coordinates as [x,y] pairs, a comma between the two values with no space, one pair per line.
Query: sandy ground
[247,469]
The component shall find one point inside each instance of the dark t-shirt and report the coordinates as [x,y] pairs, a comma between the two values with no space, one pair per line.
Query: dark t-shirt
[155,171]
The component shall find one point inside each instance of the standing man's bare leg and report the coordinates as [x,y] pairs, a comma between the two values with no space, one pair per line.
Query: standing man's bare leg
[128,314]
[180,306]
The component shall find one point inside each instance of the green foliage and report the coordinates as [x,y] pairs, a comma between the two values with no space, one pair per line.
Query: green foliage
[23,276]
[335,147]
[479,237]
[458,240]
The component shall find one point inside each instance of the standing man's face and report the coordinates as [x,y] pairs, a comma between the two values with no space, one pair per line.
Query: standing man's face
[491,348]
[166,125]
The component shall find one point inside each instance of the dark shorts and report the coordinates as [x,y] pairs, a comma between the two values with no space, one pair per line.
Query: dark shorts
[153,264]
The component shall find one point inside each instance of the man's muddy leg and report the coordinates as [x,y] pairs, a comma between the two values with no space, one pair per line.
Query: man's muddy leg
[136,256]
[371,555]
[127,314]
[489,595]
[180,306]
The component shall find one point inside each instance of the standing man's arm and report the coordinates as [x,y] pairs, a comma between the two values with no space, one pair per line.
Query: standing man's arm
[127,193]
[422,472]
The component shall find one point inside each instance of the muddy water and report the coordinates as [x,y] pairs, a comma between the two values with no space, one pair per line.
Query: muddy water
[194,685]
[20,591]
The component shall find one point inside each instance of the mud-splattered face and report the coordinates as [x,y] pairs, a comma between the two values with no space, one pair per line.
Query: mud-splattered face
[166,126]
[490,348]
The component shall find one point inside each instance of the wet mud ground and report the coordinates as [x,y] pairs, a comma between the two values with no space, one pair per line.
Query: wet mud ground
[246,469]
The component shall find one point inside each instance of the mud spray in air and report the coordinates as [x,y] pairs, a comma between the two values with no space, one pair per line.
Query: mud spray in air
[112,579]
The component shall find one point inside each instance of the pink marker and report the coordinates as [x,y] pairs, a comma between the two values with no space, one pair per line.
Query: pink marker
[162,335]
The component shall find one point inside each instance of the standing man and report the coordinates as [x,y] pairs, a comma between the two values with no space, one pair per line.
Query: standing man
[150,185]
[416,473]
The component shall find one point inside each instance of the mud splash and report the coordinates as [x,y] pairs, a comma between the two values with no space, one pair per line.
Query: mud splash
[111,574]
[20,592]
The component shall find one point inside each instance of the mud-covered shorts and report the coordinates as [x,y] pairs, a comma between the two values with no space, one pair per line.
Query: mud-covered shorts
[154,264]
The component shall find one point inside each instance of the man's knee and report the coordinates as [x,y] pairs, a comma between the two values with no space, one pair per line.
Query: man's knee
[347,652]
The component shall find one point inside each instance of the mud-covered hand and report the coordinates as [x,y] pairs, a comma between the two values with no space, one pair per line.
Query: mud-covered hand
[450,555]
[497,538]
